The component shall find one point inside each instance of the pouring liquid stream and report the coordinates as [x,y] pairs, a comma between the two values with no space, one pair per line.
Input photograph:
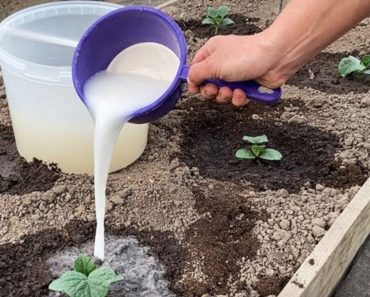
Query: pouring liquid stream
[136,77]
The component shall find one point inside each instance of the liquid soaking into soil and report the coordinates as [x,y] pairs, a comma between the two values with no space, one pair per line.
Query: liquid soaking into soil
[135,78]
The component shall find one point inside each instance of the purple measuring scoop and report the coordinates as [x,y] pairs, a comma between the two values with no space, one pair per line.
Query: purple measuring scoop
[128,26]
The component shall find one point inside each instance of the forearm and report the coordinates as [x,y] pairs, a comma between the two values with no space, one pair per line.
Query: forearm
[306,27]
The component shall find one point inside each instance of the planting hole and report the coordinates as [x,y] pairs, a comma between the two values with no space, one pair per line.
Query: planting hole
[142,273]
[213,134]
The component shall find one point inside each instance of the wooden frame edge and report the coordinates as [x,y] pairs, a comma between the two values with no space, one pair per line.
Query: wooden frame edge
[321,272]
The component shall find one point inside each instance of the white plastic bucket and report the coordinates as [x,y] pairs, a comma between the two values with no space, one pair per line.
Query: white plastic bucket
[50,123]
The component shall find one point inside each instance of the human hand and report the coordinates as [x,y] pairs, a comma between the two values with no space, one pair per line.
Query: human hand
[234,58]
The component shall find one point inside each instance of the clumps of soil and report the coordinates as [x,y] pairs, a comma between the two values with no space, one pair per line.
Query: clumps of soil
[25,270]
[214,133]
[242,26]
[221,237]
[325,77]
[16,175]
[270,285]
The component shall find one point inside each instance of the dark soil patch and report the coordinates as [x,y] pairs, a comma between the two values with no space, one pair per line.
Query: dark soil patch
[271,285]
[327,78]
[16,175]
[243,26]
[213,134]
[222,237]
[24,271]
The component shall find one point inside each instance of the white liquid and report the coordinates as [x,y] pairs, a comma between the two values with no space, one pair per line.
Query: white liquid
[137,77]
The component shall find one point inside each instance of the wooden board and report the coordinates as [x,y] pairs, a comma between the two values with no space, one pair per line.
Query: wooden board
[321,272]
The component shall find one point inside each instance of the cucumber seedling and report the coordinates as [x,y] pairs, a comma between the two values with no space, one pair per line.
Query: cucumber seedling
[86,280]
[352,65]
[218,17]
[258,150]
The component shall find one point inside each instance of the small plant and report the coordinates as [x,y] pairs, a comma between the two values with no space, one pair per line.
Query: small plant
[86,280]
[258,150]
[217,17]
[352,64]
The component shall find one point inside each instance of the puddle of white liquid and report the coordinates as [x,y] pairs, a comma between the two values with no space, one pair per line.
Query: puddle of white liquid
[143,274]
[136,77]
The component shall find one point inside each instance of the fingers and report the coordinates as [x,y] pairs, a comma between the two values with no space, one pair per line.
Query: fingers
[236,97]
[203,65]
[202,54]
[209,91]
[200,72]
[193,89]
[206,50]
[225,95]
[239,98]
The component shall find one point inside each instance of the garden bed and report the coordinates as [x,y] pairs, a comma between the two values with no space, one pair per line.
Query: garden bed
[218,225]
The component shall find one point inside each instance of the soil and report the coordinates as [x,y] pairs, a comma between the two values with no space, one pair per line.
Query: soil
[308,151]
[16,175]
[243,26]
[324,68]
[220,226]
[268,286]
[227,225]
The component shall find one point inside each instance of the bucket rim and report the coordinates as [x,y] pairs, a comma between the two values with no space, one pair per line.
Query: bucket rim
[12,63]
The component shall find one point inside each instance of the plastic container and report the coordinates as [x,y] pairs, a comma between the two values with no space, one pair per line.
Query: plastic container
[49,120]
[132,25]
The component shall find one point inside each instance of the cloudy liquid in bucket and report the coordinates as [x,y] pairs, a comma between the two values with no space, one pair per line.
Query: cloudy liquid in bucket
[135,78]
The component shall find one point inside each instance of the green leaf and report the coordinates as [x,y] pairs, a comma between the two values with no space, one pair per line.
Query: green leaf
[100,281]
[208,21]
[72,283]
[367,71]
[366,61]
[223,11]
[245,154]
[105,274]
[76,284]
[227,21]
[84,264]
[257,149]
[350,64]
[256,140]
[212,12]
[271,154]
[57,285]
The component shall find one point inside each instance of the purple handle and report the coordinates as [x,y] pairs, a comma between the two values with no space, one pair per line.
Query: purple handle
[253,89]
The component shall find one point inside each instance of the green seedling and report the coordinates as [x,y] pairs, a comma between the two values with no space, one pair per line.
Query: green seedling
[86,280]
[350,64]
[217,17]
[258,150]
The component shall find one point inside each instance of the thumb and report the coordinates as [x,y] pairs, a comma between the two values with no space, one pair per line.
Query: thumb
[199,72]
